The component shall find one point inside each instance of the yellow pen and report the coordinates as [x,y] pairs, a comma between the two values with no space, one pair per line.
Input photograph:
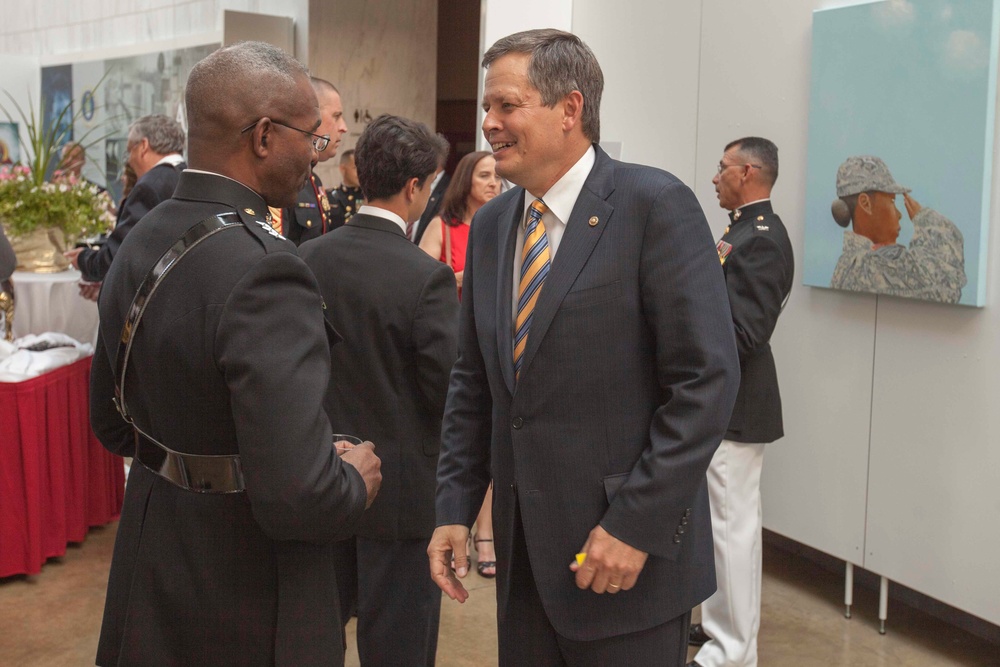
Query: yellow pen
[580,557]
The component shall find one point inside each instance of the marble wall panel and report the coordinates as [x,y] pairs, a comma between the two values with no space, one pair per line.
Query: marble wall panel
[383,58]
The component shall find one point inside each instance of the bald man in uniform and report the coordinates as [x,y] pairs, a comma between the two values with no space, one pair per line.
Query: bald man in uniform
[223,553]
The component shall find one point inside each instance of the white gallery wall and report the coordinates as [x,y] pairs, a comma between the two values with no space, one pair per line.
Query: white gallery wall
[891,458]
[55,27]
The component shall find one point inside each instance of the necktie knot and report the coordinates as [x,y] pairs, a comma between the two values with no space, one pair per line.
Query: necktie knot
[537,209]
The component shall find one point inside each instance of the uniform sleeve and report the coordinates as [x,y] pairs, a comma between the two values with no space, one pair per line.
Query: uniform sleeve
[8,261]
[272,349]
[683,295]
[435,337]
[110,428]
[756,278]
[937,252]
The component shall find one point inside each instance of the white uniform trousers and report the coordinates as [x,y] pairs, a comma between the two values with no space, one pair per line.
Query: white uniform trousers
[732,615]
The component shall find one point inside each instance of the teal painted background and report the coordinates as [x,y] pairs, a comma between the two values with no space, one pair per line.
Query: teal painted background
[913,82]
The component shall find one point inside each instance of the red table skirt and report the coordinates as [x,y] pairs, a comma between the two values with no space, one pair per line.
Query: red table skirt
[56,480]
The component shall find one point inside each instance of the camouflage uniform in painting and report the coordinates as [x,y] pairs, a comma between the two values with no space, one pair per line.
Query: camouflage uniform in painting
[933,267]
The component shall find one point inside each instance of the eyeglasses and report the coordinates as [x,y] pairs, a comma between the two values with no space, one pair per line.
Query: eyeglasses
[722,167]
[319,142]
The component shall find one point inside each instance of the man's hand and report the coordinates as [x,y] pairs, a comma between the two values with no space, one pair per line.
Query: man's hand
[912,206]
[450,542]
[458,278]
[90,291]
[610,565]
[369,465]
[74,257]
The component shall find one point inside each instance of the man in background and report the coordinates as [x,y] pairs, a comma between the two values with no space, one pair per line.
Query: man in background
[154,148]
[397,309]
[757,260]
[346,198]
[309,217]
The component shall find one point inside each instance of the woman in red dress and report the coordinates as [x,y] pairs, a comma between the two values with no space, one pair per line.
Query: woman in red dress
[475,182]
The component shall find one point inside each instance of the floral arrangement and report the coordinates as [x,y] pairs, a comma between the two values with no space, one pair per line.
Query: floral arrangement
[77,207]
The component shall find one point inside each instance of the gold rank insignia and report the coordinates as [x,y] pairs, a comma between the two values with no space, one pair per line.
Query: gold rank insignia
[324,202]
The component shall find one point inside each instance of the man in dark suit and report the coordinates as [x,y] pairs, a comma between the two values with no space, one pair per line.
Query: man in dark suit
[596,374]
[223,553]
[309,217]
[756,257]
[397,309]
[154,150]
[439,184]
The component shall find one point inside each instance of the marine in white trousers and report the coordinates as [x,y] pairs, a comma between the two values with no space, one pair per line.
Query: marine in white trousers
[731,617]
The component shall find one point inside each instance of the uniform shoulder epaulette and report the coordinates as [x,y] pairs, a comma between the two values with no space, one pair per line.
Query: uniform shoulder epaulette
[257,224]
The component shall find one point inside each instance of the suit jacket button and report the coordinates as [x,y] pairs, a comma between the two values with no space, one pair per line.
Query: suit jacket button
[680,530]
[677,539]
[687,512]
[517,422]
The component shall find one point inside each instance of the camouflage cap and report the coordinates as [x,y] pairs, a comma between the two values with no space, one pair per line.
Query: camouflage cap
[866,173]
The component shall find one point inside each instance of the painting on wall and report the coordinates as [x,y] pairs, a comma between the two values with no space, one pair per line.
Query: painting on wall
[115,93]
[10,147]
[901,124]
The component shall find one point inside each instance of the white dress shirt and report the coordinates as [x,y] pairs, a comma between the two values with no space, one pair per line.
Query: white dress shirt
[560,200]
[377,212]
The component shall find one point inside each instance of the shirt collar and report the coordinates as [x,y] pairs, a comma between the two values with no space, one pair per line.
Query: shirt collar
[562,196]
[377,212]
[173,160]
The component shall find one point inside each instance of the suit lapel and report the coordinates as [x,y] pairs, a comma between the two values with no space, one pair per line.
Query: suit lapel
[507,239]
[577,244]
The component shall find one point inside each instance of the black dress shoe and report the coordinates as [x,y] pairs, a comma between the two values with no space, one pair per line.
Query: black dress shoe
[697,636]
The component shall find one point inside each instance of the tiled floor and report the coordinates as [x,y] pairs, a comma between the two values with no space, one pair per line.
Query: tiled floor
[53,619]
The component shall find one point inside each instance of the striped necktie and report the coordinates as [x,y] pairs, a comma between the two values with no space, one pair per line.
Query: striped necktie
[534,268]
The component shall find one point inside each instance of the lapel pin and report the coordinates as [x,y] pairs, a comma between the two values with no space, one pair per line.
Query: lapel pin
[594,220]
[249,211]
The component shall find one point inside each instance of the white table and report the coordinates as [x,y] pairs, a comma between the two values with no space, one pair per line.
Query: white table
[52,302]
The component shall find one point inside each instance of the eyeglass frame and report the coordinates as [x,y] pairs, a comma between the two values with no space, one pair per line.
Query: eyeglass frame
[318,139]
[722,167]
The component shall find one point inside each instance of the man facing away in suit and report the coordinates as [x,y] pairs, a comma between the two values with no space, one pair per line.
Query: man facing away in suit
[756,257]
[397,309]
[154,151]
[596,375]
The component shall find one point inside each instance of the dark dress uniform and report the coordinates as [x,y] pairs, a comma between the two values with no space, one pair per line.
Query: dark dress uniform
[310,217]
[235,328]
[344,203]
[757,259]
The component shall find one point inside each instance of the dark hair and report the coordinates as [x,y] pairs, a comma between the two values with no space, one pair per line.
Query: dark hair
[560,63]
[444,149]
[842,208]
[759,151]
[390,152]
[455,200]
[165,135]
[346,155]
